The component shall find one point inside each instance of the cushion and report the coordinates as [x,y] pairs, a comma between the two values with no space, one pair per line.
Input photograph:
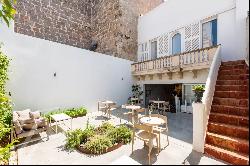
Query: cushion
[18,127]
[31,126]
[24,114]
[41,122]
[35,115]
[15,117]
[26,121]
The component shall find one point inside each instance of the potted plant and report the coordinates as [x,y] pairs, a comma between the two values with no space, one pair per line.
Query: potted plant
[199,91]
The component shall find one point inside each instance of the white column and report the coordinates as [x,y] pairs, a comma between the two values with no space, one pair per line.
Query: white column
[199,115]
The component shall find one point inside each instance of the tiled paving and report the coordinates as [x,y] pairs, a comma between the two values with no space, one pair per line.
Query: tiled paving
[179,152]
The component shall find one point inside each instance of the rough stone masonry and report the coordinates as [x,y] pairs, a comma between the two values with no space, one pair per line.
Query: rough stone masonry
[104,26]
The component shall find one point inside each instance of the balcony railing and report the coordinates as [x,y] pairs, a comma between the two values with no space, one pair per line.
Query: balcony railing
[193,60]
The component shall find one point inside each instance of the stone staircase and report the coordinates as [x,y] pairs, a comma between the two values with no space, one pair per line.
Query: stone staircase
[228,127]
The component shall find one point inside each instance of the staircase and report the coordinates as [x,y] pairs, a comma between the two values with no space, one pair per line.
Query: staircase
[227,136]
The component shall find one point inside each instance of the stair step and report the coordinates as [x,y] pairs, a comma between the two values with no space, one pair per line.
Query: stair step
[231,88]
[232,94]
[230,67]
[232,82]
[231,102]
[233,63]
[228,130]
[230,110]
[233,72]
[226,155]
[229,119]
[234,77]
[229,143]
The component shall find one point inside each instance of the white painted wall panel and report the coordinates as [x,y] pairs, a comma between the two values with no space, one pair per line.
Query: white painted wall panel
[83,77]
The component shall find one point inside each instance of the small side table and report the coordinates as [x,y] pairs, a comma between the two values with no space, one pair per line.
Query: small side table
[60,118]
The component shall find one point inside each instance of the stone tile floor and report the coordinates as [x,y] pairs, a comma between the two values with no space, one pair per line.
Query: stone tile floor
[179,152]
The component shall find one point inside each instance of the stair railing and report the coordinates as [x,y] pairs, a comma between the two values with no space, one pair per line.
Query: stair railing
[210,86]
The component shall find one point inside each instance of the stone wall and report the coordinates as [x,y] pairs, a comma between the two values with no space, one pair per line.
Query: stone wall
[63,21]
[111,24]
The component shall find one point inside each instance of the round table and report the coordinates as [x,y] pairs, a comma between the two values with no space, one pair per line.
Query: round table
[152,121]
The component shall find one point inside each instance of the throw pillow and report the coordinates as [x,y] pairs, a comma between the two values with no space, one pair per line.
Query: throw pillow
[35,115]
[41,122]
[24,114]
[18,127]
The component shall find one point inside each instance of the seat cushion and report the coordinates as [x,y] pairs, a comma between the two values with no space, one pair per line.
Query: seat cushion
[35,115]
[26,121]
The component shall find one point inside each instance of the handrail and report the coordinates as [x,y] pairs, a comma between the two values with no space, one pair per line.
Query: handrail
[187,52]
[210,86]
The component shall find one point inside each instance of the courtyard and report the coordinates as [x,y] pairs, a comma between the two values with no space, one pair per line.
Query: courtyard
[178,152]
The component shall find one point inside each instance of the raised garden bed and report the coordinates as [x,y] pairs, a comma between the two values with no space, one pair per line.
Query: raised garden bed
[100,140]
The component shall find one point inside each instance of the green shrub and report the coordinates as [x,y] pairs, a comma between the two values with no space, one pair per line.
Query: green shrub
[5,152]
[120,134]
[73,112]
[99,144]
[77,137]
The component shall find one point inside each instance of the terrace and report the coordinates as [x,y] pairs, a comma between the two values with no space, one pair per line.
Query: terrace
[178,152]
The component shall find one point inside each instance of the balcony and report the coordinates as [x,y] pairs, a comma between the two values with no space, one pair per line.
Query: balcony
[187,61]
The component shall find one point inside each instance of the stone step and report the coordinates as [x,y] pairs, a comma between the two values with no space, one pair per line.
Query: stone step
[234,77]
[229,143]
[230,67]
[226,155]
[228,130]
[229,119]
[232,82]
[241,88]
[231,94]
[231,102]
[233,72]
[230,110]
[233,63]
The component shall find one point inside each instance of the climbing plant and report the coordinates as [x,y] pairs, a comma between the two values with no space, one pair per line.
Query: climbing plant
[7,10]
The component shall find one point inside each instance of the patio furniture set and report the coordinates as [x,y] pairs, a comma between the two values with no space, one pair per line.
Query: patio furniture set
[147,128]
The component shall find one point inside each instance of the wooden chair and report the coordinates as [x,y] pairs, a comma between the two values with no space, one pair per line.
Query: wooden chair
[145,134]
[160,129]
[102,107]
[165,107]
[137,114]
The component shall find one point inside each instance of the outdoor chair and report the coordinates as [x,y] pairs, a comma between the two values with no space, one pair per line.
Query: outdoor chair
[160,129]
[137,115]
[27,124]
[101,107]
[165,107]
[145,134]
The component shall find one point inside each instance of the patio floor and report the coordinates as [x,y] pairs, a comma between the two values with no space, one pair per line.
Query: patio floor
[179,152]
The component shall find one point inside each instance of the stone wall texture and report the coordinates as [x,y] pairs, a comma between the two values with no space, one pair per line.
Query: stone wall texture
[111,24]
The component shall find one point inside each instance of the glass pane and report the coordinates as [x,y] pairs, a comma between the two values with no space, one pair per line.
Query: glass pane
[207,35]
[214,32]
[176,44]
[188,95]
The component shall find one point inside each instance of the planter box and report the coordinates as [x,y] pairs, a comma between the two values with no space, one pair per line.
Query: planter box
[86,151]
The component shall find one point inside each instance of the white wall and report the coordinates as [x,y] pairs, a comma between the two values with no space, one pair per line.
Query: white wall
[174,14]
[83,77]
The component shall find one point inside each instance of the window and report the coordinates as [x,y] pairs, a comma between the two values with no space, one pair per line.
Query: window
[209,34]
[176,44]
[153,50]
